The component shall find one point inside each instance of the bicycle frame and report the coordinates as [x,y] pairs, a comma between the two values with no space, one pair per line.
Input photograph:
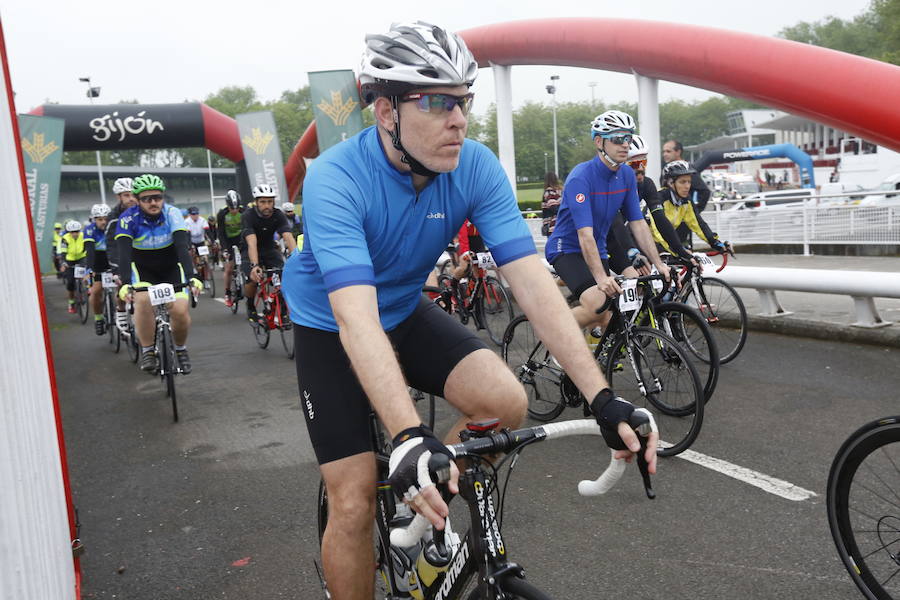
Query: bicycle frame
[269,293]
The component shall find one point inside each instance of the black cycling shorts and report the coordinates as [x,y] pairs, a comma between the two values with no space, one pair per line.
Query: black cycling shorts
[574,271]
[269,258]
[69,275]
[101,262]
[230,243]
[157,266]
[428,345]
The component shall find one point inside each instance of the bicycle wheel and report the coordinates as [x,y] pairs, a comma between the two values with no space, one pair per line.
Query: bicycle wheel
[81,302]
[666,381]
[165,348]
[236,295]
[535,369]
[511,588]
[687,327]
[383,587]
[724,310]
[131,342]
[260,331]
[863,507]
[494,309]
[109,315]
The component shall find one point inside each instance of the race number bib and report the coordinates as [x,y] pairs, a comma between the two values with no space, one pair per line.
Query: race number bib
[656,283]
[80,272]
[203,250]
[108,280]
[704,260]
[629,299]
[161,293]
[276,279]
[485,260]
[237,258]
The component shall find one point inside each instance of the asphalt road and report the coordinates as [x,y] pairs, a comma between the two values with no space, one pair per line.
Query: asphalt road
[222,504]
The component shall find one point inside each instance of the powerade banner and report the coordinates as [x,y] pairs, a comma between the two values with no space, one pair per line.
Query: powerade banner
[42,152]
[804,162]
[262,151]
[121,126]
[335,100]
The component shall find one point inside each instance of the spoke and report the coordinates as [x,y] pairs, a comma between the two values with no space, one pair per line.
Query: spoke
[884,583]
[888,501]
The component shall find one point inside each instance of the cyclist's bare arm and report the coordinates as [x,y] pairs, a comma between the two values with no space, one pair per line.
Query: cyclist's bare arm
[289,241]
[591,256]
[539,297]
[355,309]
[644,238]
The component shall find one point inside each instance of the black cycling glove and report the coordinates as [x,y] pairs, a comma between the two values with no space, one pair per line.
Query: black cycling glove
[610,410]
[408,466]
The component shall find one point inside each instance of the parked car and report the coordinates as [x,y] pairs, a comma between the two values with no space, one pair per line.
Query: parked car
[776,198]
[854,193]
[889,184]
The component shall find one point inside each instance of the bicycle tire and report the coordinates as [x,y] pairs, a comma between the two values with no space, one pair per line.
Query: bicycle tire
[863,513]
[211,280]
[493,308]
[81,302]
[535,369]
[688,327]
[131,344]
[519,588]
[167,362]
[260,332]
[287,340]
[109,315]
[676,404]
[724,310]
[236,295]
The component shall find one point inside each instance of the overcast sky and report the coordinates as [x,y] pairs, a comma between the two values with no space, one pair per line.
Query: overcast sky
[170,51]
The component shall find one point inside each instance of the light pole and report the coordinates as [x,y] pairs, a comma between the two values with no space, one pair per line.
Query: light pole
[94,92]
[546,155]
[551,89]
[592,85]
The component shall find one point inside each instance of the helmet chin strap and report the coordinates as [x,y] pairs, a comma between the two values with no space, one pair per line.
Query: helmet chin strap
[606,157]
[414,165]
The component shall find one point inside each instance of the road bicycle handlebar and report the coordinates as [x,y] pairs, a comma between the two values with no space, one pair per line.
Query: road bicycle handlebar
[507,441]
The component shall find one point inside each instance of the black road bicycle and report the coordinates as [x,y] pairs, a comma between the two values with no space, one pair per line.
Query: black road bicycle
[160,297]
[632,358]
[412,561]
[863,501]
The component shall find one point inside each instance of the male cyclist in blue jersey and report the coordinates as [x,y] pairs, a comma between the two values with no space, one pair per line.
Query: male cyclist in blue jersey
[379,209]
[153,244]
[97,261]
[594,192]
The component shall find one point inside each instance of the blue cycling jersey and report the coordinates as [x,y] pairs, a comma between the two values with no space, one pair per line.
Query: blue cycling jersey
[591,197]
[366,225]
[147,233]
[92,233]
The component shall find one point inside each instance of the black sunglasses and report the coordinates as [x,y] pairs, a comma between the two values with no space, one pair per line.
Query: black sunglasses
[150,198]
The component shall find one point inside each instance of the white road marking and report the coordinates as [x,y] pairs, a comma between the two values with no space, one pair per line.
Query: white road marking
[772,485]
[222,300]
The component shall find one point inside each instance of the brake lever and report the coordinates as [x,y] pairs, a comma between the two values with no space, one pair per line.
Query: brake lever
[641,422]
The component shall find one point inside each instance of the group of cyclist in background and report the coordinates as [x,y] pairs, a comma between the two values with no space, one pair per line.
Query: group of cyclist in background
[145,240]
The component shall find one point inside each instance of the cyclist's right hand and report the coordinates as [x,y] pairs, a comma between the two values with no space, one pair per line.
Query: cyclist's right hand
[613,415]
[609,287]
[409,477]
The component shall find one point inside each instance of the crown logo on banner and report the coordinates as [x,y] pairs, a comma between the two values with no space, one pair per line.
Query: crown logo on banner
[257,141]
[37,149]
[338,111]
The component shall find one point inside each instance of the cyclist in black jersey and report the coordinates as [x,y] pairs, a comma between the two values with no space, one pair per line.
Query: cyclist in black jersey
[228,230]
[260,224]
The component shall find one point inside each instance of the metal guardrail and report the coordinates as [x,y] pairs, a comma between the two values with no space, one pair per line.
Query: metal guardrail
[862,287]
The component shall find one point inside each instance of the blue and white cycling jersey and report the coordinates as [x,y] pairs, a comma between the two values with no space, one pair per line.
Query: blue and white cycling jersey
[147,233]
[92,233]
[366,225]
[592,196]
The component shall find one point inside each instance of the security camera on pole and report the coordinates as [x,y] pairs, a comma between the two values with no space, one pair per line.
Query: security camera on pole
[94,92]
[551,89]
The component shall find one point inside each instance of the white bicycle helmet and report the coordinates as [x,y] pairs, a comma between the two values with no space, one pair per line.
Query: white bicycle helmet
[100,210]
[123,184]
[637,148]
[264,190]
[287,207]
[611,121]
[414,55]
[73,226]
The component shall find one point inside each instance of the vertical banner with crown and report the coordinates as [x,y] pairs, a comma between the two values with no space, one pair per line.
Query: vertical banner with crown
[262,152]
[335,101]
[42,151]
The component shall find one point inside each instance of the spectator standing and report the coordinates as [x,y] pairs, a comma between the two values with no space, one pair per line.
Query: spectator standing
[550,202]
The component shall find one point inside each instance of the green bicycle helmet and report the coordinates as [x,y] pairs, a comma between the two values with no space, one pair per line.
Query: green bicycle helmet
[147,182]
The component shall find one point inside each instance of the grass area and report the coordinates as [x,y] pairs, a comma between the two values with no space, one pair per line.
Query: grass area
[530,199]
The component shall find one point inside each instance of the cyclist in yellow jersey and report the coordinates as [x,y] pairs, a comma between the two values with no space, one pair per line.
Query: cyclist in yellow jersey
[57,228]
[71,251]
[679,208]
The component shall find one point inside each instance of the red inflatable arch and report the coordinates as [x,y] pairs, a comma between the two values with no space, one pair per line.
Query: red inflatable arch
[854,94]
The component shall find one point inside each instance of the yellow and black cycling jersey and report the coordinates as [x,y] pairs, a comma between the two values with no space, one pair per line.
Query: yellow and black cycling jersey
[71,245]
[682,212]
